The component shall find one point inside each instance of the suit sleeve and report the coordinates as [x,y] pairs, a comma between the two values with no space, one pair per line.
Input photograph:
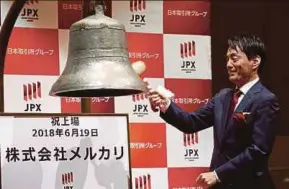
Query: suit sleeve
[263,136]
[190,122]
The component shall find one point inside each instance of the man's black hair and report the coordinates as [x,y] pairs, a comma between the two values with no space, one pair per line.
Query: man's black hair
[251,45]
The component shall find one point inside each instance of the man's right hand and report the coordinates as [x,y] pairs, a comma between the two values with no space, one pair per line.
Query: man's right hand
[159,98]
[155,100]
[158,101]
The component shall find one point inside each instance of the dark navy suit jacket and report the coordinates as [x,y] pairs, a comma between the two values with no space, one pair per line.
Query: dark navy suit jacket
[241,146]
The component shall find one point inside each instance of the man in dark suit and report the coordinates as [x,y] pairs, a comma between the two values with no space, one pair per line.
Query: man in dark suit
[244,120]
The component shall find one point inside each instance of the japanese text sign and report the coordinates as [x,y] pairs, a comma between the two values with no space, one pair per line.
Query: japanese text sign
[64,152]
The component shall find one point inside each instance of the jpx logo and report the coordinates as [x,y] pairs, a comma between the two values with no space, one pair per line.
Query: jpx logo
[29,2]
[190,141]
[187,53]
[67,180]
[143,182]
[31,92]
[137,18]
[29,12]
[140,108]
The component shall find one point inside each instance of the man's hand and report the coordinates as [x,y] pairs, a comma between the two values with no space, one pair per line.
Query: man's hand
[157,100]
[209,179]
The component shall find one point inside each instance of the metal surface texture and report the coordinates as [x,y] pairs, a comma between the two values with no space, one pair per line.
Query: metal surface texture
[98,62]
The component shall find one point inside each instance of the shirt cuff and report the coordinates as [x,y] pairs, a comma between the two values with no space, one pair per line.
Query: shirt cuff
[217,176]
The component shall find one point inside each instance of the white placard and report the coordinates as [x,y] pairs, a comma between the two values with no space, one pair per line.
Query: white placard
[65,151]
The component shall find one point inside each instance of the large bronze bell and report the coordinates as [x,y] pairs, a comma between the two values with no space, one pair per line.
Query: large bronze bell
[98,62]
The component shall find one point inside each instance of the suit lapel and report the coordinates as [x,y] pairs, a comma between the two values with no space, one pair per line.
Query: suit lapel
[247,99]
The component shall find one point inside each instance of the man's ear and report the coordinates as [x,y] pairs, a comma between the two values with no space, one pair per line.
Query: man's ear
[256,61]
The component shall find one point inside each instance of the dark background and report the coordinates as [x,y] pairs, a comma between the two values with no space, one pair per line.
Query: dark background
[270,21]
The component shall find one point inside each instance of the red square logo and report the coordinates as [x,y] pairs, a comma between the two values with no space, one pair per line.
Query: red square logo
[185,177]
[33,52]
[69,12]
[148,48]
[98,105]
[187,17]
[143,181]
[190,94]
[148,145]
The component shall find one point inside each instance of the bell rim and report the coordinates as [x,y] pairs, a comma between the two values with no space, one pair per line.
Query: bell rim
[114,91]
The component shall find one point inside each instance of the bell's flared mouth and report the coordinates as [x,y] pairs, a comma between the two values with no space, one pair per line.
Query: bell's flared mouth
[97,93]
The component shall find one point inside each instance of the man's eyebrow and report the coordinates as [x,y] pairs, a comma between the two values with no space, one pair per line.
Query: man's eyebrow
[231,54]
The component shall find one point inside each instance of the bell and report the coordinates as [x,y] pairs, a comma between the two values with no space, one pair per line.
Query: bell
[98,62]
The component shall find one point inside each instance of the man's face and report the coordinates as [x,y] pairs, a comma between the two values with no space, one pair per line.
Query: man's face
[240,69]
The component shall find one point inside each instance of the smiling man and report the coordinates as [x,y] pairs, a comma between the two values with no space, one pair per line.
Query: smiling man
[244,120]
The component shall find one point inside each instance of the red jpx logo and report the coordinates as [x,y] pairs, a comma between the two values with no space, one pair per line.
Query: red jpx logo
[143,182]
[137,19]
[137,5]
[29,13]
[67,178]
[191,153]
[32,91]
[191,139]
[31,2]
[139,97]
[140,108]
[188,49]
